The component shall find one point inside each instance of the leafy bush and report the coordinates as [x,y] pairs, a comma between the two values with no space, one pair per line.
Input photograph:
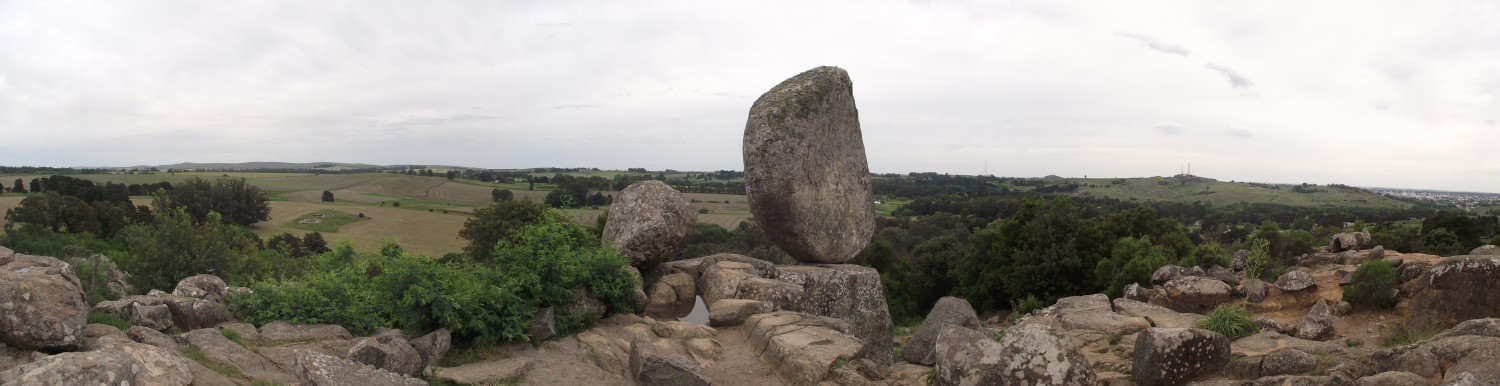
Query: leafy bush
[1232,322]
[1132,260]
[1372,285]
[550,263]
[173,247]
[1026,306]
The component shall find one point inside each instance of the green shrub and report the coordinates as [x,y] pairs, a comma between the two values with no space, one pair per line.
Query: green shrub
[1372,285]
[116,322]
[1027,305]
[1232,322]
[1258,264]
[233,336]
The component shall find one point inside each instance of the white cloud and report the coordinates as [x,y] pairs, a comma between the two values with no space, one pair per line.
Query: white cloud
[1170,128]
[1238,132]
[1157,44]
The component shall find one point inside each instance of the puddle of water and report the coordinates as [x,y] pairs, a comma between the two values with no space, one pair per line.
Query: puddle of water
[697,315]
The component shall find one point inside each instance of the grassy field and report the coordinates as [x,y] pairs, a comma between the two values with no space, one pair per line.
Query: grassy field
[325,221]
[1218,193]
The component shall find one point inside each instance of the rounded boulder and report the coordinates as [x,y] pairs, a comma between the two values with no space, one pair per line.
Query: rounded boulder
[649,223]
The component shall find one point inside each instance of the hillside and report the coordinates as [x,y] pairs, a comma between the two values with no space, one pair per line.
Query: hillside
[1218,193]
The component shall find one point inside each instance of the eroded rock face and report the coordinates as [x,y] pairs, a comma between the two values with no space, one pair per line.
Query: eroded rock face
[1347,241]
[967,357]
[1318,324]
[283,332]
[326,370]
[650,222]
[215,347]
[1192,294]
[124,363]
[1458,288]
[1489,250]
[949,311]
[201,286]
[1255,290]
[389,351]
[733,312]
[671,293]
[433,346]
[1294,281]
[800,348]
[41,303]
[806,177]
[1158,316]
[1033,352]
[670,370]
[1175,356]
[850,293]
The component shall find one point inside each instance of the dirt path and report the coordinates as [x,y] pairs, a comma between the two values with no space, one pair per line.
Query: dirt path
[740,365]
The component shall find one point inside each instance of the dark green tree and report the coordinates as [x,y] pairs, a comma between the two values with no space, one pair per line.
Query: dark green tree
[287,243]
[314,244]
[233,199]
[175,246]
[19,187]
[496,224]
[499,194]
[327,196]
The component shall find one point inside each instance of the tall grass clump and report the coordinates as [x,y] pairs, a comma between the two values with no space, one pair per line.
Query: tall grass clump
[1232,322]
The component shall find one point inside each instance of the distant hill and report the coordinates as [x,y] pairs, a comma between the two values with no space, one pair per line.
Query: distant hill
[1199,189]
[253,165]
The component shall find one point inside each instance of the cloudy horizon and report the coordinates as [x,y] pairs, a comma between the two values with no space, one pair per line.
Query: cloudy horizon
[1387,93]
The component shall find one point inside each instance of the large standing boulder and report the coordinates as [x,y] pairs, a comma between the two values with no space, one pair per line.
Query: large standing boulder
[41,302]
[1458,288]
[650,222]
[850,293]
[1192,294]
[806,177]
[949,311]
[1175,356]
[127,363]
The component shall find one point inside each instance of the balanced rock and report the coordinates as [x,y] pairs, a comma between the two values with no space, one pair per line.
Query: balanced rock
[41,302]
[806,177]
[949,311]
[1174,356]
[650,222]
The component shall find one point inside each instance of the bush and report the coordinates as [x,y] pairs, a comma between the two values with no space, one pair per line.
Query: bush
[1026,306]
[1259,262]
[1372,285]
[1232,322]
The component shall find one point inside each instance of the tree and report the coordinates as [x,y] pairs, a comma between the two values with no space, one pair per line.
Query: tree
[176,245]
[1442,242]
[287,243]
[497,195]
[313,242]
[496,224]
[327,196]
[236,202]
[19,187]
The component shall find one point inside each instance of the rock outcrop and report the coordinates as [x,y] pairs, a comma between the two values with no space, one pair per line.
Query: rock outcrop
[949,311]
[215,347]
[1487,249]
[1192,294]
[201,286]
[1294,281]
[806,177]
[1458,288]
[1318,324]
[1033,352]
[326,370]
[122,364]
[1175,356]
[41,302]
[193,305]
[1351,240]
[802,349]
[433,346]
[650,222]
[850,293]
[388,351]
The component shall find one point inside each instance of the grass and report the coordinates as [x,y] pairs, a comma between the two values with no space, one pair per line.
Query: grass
[1232,322]
[1220,193]
[463,355]
[197,356]
[233,336]
[111,320]
[1406,335]
[328,221]
[421,232]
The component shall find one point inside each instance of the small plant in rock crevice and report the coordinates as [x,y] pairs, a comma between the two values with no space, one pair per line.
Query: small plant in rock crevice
[1232,322]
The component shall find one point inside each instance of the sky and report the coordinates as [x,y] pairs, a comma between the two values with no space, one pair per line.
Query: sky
[1365,93]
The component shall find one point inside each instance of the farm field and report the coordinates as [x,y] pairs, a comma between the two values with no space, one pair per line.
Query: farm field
[1219,193]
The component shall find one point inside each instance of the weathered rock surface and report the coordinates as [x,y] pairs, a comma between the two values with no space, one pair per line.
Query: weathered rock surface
[850,293]
[326,370]
[1294,281]
[949,311]
[800,348]
[1347,241]
[733,312]
[1168,272]
[215,347]
[650,222]
[41,302]
[806,177]
[1486,249]
[1157,316]
[670,293]
[152,337]
[283,332]
[1091,321]
[1458,288]
[488,373]
[1033,352]
[543,325]
[1192,294]
[1175,356]
[433,346]
[670,370]
[1287,362]
[202,287]
[125,363]
[388,351]
[1392,378]
[1318,324]
[1255,290]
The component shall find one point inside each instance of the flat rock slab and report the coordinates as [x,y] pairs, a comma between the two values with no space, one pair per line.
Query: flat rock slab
[851,293]
[326,370]
[800,348]
[283,332]
[806,177]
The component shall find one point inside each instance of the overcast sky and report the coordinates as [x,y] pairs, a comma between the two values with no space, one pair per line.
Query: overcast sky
[1368,93]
